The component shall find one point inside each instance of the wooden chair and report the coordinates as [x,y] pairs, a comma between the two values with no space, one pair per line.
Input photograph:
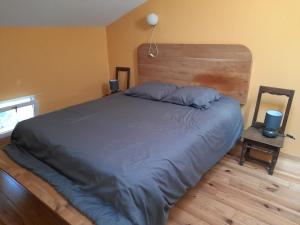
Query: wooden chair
[252,137]
[123,69]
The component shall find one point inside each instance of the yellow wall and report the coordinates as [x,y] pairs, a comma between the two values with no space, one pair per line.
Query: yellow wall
[66,66]
[61,66]
[270,28]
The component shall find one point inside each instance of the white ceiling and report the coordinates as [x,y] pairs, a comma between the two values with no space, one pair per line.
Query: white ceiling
[63,12]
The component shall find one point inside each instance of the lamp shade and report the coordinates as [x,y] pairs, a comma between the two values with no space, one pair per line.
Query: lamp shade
[272,123]
[152,19]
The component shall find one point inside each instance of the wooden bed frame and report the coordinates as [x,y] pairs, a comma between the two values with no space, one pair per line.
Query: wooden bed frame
[228,194]
[224,67]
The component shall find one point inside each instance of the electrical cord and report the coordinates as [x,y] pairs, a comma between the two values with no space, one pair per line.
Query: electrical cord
[153,49]
[281,135]
[287,135]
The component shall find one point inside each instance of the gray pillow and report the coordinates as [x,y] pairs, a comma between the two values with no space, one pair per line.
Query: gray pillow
[198,97]
[151,90]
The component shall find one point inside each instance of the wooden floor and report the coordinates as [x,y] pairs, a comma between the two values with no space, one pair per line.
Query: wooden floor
[18,206]
[228,194]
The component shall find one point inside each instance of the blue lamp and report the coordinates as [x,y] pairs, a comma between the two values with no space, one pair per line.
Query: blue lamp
[114,86]
[272,123]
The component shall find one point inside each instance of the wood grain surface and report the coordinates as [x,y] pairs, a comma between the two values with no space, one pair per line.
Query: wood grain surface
[20,207]
[224,67]
[228,194]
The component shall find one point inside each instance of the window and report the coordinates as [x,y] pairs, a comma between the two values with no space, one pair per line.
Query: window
[14,111]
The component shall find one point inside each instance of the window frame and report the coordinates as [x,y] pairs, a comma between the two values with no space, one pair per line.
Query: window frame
[32,102]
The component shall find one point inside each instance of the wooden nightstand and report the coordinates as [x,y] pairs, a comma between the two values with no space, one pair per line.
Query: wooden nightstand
[111,93]
[253,138]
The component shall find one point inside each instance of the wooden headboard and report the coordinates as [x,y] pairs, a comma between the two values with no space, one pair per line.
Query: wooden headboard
[224,67]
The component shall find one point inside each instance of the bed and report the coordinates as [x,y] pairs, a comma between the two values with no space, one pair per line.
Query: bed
[123,160]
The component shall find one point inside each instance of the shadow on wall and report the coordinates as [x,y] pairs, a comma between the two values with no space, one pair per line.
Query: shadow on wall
[142,25]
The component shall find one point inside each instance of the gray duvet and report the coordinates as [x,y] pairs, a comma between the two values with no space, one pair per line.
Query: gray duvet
[124,160]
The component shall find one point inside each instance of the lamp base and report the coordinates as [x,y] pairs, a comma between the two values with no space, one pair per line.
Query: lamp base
[270,133]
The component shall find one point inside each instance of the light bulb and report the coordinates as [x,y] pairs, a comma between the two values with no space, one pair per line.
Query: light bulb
[152,19]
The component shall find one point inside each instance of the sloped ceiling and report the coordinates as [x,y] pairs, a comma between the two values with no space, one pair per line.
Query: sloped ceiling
[63,12]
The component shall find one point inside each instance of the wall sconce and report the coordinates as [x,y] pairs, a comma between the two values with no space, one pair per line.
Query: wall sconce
[152,20]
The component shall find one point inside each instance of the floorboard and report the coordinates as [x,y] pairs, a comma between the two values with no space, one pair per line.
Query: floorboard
[228,194]
[20,207]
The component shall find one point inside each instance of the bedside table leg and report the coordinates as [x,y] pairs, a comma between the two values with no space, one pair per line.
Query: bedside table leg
[275,155]
[244,149]
[247,153]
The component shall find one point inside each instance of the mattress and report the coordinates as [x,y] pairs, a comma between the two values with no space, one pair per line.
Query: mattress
[125,160]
